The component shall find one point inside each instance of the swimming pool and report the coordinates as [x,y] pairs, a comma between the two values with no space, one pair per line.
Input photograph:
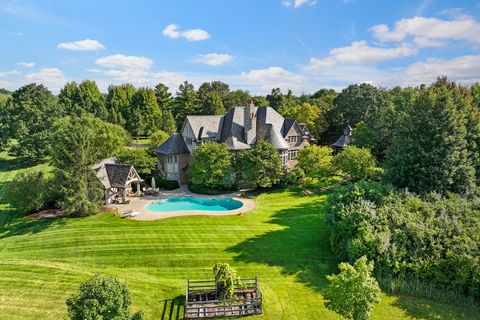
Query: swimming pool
[191,203]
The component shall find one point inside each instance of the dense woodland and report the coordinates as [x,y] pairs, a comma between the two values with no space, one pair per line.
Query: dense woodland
[410,200]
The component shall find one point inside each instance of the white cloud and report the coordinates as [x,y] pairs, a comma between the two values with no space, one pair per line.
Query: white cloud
[4,74]
[121,61]
[422,42]
[465,28]
[213,59]
[82,45]
[50,77]
[26,64]
[273,77]
[298,3]
[360,52]
[464,69]
[173,31]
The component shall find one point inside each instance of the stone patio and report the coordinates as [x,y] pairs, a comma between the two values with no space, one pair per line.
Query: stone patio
[138,204]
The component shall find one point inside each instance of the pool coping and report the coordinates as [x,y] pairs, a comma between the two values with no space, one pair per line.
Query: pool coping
[138,204]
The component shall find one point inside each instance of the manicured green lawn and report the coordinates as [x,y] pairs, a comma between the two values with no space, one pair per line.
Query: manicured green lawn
[284,241]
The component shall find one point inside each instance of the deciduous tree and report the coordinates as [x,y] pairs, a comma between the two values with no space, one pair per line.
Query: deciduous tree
[211,166]
[102,297]
[353,292]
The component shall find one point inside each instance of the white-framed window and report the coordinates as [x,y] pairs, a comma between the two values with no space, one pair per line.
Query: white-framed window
[284,156]
[292,154]
[294,139]
[189,140]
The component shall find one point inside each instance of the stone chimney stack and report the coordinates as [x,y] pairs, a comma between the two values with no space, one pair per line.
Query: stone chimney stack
[250,122]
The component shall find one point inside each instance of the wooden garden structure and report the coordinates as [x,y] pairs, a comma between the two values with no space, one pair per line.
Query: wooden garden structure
[203,300]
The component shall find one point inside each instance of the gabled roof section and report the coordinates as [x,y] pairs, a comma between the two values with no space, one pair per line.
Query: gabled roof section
[118,174]
[204,126]
[287,125]
[173,145]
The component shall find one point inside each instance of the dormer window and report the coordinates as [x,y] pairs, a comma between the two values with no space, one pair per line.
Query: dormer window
[294,139]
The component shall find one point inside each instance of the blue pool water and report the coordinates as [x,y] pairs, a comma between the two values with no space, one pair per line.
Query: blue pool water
[190,203]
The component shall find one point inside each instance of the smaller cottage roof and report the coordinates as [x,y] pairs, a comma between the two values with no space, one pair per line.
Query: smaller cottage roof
[344,140]
[173,145]
[119,174]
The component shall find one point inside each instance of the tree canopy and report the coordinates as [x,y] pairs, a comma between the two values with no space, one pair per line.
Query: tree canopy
[211,166]
[353,291]
[260,166]
[102,298]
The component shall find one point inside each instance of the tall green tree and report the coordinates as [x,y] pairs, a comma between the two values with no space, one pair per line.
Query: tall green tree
[120,103]
[304,113]
[69,100]
[211,166]
[219,87]
[165,103]
[80,142]
[146,115]
[260,166]
[236,98]
[429,151]
[212,104]
[186,103]
[366,103]
[275,98]
[29,115]
[92,100]
[353,292]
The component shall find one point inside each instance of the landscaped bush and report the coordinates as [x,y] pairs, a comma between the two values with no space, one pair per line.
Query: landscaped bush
[210,191]
[30,190]
[430,240]
[166,184]
[293,177]
[316,161]
[102,298]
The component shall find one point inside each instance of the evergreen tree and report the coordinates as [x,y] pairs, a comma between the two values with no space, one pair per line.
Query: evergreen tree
[119,103]
[80,142]
[165,103]
[429,151]
[212,104]
[185,103]
[146,115]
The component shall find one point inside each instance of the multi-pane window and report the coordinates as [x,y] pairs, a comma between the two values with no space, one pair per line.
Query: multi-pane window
[294,139]
[292,154]
[189,140]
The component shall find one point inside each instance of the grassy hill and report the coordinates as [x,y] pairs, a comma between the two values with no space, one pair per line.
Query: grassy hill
[284,241]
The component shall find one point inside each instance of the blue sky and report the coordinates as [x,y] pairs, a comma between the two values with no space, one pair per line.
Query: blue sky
[303,45]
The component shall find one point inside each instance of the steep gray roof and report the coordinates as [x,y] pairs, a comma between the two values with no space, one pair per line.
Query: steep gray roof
[204,126]
[233,144]
[173,145]
[344,140]
[233,126]
[274,137]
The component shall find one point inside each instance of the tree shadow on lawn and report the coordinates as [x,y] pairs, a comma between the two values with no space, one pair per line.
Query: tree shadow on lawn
[302,248]
[422,308]
[15,164]
[15,223]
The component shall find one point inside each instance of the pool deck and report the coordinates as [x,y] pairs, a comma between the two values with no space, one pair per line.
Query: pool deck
[138,204]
